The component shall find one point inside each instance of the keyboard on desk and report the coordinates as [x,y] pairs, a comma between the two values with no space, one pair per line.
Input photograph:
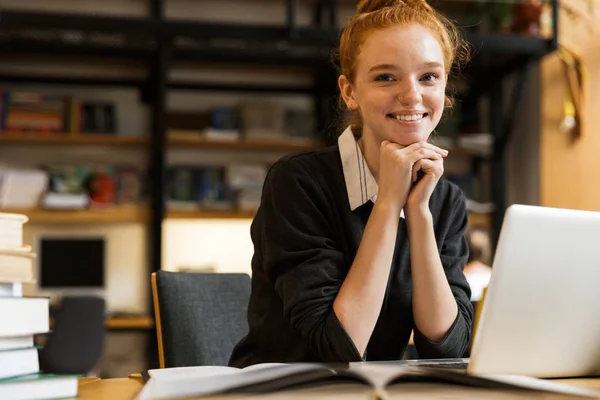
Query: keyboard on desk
[451,365]
[448,363]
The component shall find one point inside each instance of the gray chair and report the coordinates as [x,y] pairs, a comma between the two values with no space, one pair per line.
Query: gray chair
[200,317]
[77,339]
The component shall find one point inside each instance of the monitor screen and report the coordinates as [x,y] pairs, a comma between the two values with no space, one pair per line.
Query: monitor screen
[71,263]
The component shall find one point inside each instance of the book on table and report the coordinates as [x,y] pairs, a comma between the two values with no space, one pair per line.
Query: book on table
[23,317]
[39,387]
[375,380]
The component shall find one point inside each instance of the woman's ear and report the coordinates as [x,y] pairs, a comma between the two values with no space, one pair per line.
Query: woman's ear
[347,91]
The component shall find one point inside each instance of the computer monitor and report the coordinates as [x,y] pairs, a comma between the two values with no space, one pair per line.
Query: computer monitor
[541,313]
[71,263]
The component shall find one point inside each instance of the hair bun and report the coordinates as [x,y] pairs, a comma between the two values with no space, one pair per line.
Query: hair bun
[367,6]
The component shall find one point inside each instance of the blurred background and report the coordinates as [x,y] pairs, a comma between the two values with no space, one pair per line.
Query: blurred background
[136,134]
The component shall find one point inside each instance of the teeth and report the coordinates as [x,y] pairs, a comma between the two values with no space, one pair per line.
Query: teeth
[413,117]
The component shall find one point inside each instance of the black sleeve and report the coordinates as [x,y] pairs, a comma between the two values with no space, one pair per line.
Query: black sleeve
[453,254]
[299,254]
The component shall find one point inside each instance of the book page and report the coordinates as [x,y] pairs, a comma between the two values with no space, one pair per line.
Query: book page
[202,371]
[379,375]
[261,379]
[383,376]
[543,385]
[190,372]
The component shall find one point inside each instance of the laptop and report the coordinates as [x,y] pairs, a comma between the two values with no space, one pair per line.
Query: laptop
[541,314]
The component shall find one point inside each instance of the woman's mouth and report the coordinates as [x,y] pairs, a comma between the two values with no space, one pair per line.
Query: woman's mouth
[408,118]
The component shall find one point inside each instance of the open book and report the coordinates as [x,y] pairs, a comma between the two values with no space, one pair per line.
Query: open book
[196,382]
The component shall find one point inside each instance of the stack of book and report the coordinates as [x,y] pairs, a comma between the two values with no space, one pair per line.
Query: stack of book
[21,318]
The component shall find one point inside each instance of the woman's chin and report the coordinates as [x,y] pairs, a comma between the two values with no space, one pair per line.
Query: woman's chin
[407,138]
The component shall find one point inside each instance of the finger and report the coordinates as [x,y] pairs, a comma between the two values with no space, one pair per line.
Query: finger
[415,170]
[423,154]
[392,145]
[430,167]
[425,145]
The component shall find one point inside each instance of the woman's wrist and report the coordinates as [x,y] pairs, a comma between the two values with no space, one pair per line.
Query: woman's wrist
[393,208]
[418,215]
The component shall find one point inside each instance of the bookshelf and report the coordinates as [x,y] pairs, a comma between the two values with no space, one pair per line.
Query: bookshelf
[281,145]
[209,214]
[130,214]
[275,145]
[179,141]
[122,214]
[192,141]
[68,139]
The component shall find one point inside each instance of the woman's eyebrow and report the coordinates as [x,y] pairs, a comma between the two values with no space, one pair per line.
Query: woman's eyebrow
[433,64]
[387,67]
[382,67]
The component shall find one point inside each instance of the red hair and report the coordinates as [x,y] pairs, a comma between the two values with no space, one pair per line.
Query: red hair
[373,15]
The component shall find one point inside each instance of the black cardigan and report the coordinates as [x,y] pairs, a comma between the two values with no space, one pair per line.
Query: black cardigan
[305,238]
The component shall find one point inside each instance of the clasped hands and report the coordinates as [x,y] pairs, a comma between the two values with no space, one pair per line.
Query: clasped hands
[408,175]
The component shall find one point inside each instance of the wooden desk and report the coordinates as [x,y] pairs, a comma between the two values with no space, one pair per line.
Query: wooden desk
[108,389]
[127,389]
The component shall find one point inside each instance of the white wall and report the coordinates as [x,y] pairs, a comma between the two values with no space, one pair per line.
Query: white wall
[126,285]
[224,245]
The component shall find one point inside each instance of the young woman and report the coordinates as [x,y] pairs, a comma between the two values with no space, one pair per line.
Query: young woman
[358,244]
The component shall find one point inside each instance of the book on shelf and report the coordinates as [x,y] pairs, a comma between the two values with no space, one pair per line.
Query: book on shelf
[224,124]
[247,180]
[71,187]
[198,187]
[301,125]
[39,113]
[251,120]
[375,380]
[21,188]
[263,120]
[30,111]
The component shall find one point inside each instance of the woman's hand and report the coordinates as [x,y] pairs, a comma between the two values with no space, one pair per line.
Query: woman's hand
[398,167]
[431,171]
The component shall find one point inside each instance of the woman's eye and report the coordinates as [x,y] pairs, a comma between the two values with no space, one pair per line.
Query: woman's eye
[384,78]
[430,77]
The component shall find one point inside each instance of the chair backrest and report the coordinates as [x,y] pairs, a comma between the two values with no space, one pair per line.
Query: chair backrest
[200,317]
[77,338]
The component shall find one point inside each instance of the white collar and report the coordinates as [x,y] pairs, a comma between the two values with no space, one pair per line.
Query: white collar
[360,182]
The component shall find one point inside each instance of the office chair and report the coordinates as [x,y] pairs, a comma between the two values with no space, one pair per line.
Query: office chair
[75,344]
[199,317]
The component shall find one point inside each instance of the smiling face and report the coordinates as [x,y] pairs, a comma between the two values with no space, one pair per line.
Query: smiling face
[399,85]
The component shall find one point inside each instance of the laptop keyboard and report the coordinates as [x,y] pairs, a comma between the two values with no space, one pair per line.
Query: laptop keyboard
[456,365]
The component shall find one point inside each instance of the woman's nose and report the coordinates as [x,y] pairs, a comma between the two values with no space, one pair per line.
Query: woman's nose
[409,94]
